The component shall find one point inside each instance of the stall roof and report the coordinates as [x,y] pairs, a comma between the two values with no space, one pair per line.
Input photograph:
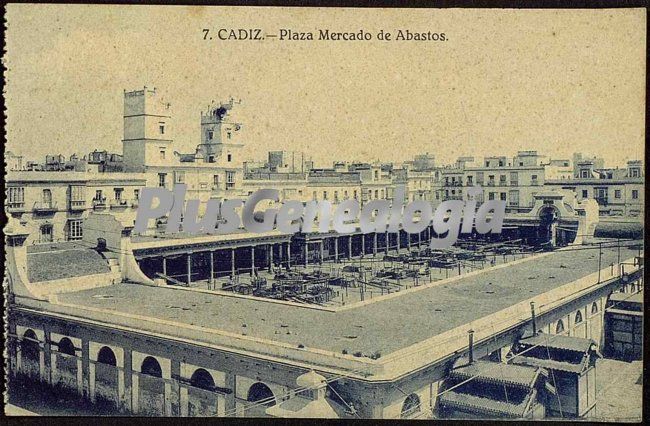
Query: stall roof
[559,341]
[483,405]
[496,372]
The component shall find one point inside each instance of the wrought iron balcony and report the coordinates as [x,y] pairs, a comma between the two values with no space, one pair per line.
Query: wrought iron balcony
[99,203]
[16,206]
[119,204]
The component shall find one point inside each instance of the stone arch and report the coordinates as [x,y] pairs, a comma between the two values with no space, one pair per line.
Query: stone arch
[202,379]
[66,346]
[106,356]
[548,219]
[30,354]
[151,390]
[66,364]
[559,328]
[29,344]
[106,377]
[411,406]
[261,392]
[202,400]
[151,367]
[548,213]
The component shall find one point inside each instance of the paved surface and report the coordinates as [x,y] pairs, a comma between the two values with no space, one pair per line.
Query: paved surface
[619,395]
[383,326]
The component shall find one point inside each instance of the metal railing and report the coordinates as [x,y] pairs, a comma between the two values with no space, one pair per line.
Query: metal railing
[44,206]
[99,202]
[119,203]
[16,206]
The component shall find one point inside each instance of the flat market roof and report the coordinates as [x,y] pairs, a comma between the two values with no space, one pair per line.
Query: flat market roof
[382,326]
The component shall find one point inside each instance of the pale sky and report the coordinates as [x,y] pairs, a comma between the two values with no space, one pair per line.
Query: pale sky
[555,81]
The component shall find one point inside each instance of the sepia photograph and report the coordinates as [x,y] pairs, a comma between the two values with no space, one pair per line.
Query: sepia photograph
[337,213]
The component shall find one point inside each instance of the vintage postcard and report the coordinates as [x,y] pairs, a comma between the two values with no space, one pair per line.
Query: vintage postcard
[347,213]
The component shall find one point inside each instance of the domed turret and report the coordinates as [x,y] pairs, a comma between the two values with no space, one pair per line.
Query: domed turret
[311,380]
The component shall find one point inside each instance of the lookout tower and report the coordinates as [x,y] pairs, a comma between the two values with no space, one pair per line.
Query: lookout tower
[219,133]
[147,134]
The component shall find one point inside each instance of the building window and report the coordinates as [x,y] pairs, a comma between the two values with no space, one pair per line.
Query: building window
[594,308]
[215,180]
[559,328]
[162,153]
[578,317]
[503,196]
[376,174]
[77,195]
[479,178]
[585,193]
[491,196]
[16,198]
[584,173]
[635,194]
[376,194]
[336,196]
[229,135]
[210,135]
[162,177]
[46,234]
[513,198]
[324,195]
[74,229]
[355,194]
[617,193]
[179,177]
[514,179]
[161,128]
[314,195]
[502,180]
[136,194]
[469,180]
[229,158]
[230,180]
[118,193]
[47,198]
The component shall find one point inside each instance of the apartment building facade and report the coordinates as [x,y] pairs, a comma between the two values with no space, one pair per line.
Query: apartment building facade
[514,180]
[619,192]
[53,205]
